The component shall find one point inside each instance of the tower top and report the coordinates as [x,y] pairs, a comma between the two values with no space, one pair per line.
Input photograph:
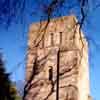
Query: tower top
[66,25]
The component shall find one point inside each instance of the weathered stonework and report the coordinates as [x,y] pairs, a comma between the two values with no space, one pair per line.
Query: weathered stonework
[45,41]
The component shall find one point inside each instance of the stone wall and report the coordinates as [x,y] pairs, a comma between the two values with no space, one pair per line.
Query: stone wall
[45,41]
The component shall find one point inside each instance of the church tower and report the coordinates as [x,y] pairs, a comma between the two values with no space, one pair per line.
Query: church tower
[57,62]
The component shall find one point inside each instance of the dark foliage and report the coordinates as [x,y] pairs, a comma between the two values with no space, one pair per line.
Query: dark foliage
[7,92]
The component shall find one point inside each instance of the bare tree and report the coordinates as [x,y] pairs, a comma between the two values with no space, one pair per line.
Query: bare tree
[14,10]
[49,10]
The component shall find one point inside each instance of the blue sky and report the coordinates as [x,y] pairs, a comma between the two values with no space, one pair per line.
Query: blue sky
[14,45]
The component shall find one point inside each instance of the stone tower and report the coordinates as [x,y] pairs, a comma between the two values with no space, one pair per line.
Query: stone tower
[57,61]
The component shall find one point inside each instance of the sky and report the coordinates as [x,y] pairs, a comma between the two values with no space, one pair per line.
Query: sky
[13,44]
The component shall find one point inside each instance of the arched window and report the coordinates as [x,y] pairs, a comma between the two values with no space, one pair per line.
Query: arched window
[50,73]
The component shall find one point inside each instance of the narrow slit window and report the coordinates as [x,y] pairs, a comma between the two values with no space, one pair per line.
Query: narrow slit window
[52,43]
[50,73]
[60,37]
